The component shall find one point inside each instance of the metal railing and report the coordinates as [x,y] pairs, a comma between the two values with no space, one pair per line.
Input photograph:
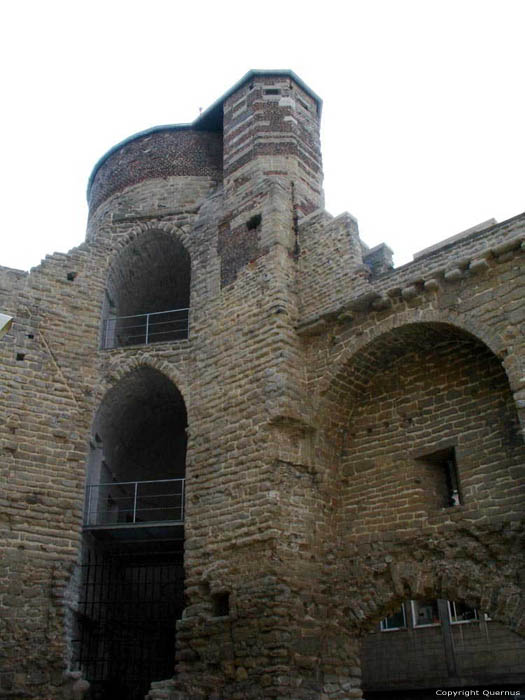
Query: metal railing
[134,502]
[143,329]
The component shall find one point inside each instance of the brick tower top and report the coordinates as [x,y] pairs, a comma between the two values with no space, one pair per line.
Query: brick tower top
[266,124]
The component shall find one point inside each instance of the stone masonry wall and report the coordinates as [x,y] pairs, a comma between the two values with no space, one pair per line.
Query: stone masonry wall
[53,378]
[304,523]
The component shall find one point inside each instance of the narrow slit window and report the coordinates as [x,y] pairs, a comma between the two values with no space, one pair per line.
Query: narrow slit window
[304,105]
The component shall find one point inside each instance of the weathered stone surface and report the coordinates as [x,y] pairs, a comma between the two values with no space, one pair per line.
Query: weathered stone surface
[309,385]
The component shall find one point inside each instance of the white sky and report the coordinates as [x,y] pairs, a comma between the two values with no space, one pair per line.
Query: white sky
[423,116]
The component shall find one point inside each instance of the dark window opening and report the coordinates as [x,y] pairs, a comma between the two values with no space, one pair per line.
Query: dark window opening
[221,604]
[442,482]
[272,91]
[20,356]
[254,222]
[71,276]
[126,622]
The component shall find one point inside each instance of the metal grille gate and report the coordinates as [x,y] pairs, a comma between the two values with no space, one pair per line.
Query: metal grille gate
[126,623]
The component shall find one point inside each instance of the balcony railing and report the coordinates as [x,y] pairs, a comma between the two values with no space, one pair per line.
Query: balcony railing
[135,502]
[143,329]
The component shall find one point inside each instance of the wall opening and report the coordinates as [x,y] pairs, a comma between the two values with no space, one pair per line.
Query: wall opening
[440,476]
[148,293]
[132,584]
[221,604]
[430,425]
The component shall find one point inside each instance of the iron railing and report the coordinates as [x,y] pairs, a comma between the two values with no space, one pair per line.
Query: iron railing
[135,502]
[143,329]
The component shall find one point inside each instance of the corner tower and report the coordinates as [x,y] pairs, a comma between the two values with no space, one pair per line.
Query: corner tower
[271,130]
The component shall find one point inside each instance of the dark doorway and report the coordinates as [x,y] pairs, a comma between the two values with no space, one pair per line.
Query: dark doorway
[126,622]
[132,584]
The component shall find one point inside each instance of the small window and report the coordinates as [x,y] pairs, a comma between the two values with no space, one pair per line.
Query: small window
[397,621]
[425,613]
[254,222]
[461,612]
[272,91]
[442,480]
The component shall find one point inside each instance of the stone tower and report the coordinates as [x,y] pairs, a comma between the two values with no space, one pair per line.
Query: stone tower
[226,416]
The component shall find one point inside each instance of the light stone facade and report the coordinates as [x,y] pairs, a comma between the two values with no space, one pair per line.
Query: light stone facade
[312,382]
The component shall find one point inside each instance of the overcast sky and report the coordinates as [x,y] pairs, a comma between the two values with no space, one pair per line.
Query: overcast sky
[423,116]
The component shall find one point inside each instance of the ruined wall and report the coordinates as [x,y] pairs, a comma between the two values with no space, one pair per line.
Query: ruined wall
[300,532]
[45,389]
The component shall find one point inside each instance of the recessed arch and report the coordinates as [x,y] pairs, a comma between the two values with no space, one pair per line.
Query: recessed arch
[387,579]
[147,290]
[409,322]
[143,415]
[132,551]
[419,419]
[433,651]
[405,392]
[448,622]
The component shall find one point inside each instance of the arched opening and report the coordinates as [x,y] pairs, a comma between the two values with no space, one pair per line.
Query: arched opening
[428,426]
[131,593]
[148,292]
[423,426]
[427,644]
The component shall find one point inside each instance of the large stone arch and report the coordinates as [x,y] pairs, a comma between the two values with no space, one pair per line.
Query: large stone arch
[376,583]
[139,414]
[120,365]
[143,228]
[443,651]
[402,329]
[473,553]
